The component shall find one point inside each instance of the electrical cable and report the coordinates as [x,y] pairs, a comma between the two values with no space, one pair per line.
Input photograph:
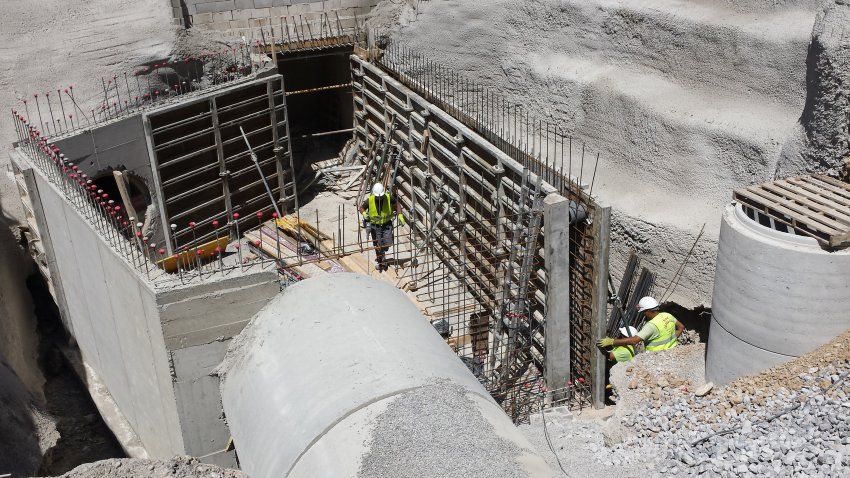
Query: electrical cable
[768,419]
[549,442]
[681,267]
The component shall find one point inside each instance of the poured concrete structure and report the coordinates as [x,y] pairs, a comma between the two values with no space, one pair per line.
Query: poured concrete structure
[151,340]
[776,296]
[305,383]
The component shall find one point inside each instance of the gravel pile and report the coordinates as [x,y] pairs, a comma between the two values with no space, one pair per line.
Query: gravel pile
[404,446]
[177,467]
[793,420]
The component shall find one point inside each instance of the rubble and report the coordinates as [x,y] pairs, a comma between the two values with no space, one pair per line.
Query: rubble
[177,467]
[789,420]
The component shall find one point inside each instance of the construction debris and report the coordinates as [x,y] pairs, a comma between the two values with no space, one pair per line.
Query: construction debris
[789,420]
[177,467]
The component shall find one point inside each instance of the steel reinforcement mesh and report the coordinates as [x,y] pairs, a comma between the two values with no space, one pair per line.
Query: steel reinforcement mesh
[544,151]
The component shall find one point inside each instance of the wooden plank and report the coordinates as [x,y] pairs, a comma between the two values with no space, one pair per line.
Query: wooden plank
[840,240]
[817,209]
[188,257]
[833,181]
[757,203]
[798,212]
[845,195]
[814,193]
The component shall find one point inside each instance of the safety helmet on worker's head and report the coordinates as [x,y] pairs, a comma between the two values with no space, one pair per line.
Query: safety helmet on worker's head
[647,303]
[628,331]
[378,189]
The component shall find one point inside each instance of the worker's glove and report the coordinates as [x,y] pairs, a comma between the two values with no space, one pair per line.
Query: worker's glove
[606,342]
[402,220]
[365,220]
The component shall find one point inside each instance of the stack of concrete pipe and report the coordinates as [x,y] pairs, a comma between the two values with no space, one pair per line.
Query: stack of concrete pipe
[776,296]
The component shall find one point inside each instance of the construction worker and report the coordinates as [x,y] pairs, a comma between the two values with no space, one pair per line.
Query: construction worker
[661,331]
[378,211]
[623,353]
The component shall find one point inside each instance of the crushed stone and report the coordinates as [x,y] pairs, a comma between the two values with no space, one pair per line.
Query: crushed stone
[659,420]
[396,449]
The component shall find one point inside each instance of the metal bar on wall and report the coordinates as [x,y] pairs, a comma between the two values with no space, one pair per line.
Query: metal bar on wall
[223,173]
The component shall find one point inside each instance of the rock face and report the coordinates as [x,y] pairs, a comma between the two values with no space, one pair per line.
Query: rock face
[826,117]
[27,433]
[685,101]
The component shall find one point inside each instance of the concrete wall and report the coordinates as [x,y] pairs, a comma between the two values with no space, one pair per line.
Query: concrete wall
[152,344]
[235,14]
[776,296]
[197,323]
[113,316]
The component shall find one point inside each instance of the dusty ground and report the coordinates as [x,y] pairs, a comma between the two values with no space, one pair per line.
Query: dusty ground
[177,467]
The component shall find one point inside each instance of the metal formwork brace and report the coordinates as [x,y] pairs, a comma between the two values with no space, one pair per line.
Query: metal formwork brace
[223,173]
[276,141]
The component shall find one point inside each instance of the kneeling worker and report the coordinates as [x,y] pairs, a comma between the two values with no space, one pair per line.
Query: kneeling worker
[623,353]
[378,211]
[659,333]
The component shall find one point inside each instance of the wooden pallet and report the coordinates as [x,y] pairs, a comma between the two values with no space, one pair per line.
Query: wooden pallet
[817,206]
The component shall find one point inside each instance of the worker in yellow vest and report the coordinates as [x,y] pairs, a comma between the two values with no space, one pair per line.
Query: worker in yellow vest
[378,211]
[661,331]
[623,353]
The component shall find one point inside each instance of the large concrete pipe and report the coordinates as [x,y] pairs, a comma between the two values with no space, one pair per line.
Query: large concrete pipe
[341,376]
[776,296]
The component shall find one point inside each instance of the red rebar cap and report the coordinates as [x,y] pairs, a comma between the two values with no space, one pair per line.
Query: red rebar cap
[215,223]
[235,215]
[192,224]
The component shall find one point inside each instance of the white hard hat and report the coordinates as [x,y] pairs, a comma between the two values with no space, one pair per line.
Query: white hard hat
[628,331]
[378,189]
[647,303]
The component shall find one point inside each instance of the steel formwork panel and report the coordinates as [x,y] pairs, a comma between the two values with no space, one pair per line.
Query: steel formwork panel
[203,167]
[467,154]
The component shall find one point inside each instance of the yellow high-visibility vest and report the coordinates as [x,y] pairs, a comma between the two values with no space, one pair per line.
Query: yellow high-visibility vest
[623,353]
[666,325]
[383,216]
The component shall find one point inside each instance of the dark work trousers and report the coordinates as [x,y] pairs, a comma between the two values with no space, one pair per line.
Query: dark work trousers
[382,239]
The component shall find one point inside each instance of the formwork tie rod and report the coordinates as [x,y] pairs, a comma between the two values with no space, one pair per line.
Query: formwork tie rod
[260,171]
